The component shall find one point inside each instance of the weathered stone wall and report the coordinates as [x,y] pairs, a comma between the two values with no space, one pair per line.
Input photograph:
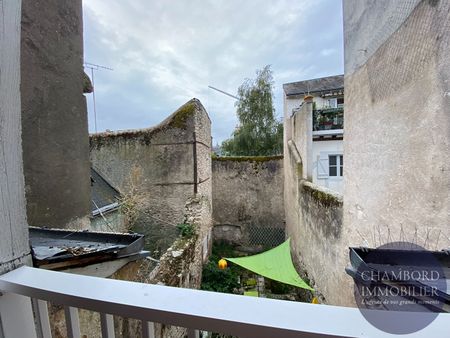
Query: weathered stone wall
[248,200]
[159,169]
[54,116]
[313,221]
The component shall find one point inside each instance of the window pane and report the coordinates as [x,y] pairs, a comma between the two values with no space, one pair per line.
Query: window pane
[340,100]
[333,171]
[341,172]
[332,159]
[342,159]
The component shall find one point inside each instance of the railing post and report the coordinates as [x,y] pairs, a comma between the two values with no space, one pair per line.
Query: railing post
[42,320]
[148,329]
[192,333]
[107,323]
[16,316]
[72,322]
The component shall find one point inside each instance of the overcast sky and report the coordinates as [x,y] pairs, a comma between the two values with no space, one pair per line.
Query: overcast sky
[166,52]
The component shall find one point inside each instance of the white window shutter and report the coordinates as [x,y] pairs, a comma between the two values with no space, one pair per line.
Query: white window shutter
[322,166]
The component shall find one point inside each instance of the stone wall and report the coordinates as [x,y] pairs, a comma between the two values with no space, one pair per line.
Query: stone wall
[158,169]
[54,117]
[248,201]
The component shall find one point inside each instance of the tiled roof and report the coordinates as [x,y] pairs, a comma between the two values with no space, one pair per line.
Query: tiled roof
[314,85]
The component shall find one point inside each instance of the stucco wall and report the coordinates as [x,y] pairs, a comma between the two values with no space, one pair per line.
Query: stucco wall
[159,166]
[248,200]
[396,147]
[301,134]
[314,223]
[397,124]
[54,116]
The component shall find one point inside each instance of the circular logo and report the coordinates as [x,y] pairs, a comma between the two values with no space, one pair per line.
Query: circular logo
[400,287]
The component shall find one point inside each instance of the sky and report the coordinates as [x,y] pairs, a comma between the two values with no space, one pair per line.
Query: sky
[165,52]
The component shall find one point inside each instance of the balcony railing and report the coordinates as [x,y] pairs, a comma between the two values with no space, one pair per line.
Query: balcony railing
[328,119]
[197,310]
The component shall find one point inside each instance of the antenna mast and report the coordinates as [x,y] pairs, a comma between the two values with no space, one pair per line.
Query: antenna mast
[92,67]
[223,92]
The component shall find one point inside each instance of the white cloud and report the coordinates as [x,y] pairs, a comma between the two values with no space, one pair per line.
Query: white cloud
[166,52]
[328,51]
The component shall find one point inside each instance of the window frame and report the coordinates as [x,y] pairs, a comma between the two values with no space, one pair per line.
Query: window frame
[339,165]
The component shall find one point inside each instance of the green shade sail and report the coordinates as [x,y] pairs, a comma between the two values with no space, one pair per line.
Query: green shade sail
[275,264]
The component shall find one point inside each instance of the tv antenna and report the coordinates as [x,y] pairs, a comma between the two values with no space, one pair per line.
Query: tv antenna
[224,92]
[92,67]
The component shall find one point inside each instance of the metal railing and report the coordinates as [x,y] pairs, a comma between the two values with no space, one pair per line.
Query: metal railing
[231,314]
[328,119]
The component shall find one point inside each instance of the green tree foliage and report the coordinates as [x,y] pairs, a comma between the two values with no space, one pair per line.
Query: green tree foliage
[258,133]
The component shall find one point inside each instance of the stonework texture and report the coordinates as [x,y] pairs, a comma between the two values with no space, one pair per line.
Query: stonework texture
[163,166]
[248,200]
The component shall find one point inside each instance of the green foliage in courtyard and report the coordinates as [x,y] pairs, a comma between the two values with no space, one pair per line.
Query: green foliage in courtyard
[213,278]
[258,133]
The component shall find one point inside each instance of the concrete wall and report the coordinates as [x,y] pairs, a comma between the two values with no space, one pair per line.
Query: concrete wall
[54,117]
[161,166]
[248,200]
[397,122]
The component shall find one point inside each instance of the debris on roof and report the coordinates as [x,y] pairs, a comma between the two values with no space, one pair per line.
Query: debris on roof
[57,249]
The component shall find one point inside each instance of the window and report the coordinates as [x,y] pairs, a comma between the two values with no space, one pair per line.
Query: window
[340,102]
[330,165]
[335,165]
[332,103]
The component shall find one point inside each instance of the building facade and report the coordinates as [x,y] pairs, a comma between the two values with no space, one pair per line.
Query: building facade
[327,123]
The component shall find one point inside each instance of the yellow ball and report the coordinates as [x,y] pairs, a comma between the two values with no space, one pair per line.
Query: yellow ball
[222,264]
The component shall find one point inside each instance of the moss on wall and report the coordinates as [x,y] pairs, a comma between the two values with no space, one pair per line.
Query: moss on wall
[322,197]
[181,116]
[248,158]
[179,119]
